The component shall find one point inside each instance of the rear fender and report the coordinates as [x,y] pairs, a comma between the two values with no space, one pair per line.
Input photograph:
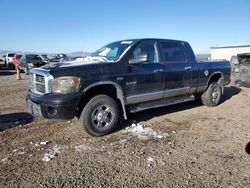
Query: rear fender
[217,77]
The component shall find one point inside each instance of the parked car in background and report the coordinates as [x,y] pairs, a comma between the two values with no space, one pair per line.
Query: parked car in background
[29,61]
[9,60]
[45,57]
[2,58]
[58,58]
[242,70]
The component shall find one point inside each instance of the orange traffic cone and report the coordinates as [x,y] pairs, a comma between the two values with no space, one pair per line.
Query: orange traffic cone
[18,76]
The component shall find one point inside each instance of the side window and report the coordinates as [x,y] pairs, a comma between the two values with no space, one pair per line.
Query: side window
[149,48]
[173,52]
[112,54]
[30,57]
[37,58]
[22,59]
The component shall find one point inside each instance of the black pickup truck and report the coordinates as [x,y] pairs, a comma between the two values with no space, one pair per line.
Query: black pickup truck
[124,76]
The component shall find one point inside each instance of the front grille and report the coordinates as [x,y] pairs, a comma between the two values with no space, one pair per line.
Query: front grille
[40,81]
[40,88]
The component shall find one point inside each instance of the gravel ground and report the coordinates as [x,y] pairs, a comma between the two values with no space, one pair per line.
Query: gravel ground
[186,145]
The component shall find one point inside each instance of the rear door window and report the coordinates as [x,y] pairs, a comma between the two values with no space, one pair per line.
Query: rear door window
[34,57]
[173,52]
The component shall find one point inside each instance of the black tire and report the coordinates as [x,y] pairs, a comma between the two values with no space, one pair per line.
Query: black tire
[212,96]
[100,116]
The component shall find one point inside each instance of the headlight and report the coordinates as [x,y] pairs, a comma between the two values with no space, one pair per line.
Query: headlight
[236,70]
[65,84]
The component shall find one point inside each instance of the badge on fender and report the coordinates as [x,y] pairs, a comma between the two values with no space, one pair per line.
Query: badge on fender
[206,72]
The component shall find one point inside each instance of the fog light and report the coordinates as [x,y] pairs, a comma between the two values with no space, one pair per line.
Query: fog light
[51,111]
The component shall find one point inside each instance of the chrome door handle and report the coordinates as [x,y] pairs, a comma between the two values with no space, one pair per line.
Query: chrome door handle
[188,68]
[158,70]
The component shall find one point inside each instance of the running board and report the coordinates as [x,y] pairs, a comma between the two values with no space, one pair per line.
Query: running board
[160,103]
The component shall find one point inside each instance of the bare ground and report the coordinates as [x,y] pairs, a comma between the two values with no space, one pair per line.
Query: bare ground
[201,146]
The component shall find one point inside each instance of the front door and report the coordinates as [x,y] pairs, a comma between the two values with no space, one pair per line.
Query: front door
[144,80]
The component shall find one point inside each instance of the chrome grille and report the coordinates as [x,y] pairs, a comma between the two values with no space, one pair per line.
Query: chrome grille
[40,88]
[40,81]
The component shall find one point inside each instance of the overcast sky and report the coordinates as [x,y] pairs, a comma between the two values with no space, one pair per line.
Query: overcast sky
[85,25]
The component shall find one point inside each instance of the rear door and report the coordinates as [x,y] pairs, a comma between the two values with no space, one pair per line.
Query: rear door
[144,81]
[177,69]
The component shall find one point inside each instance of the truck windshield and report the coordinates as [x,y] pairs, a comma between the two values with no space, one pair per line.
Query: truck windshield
[244,59]
[112,51]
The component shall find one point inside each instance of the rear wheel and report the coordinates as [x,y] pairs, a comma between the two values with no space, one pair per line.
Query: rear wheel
[100,116]
[212,96]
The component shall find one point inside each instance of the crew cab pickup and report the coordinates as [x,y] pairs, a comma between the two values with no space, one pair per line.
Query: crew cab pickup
[121,77]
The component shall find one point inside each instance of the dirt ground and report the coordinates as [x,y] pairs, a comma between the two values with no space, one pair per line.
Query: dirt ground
[186,145]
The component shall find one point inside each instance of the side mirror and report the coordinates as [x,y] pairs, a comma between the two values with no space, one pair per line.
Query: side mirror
[141,59]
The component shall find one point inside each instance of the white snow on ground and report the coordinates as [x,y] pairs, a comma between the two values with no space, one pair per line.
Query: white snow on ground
[150,161]
[52,153]
[144,133]
[58,149]
[42,143]
[5,159]
[80,148]
[21,153]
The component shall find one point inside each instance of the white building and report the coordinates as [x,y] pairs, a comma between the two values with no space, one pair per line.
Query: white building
[226,52]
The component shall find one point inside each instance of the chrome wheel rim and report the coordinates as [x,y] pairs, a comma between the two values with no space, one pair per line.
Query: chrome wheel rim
[216,95]
[102,117]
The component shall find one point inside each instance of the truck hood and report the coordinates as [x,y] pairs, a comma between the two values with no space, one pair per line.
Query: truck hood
[78,65]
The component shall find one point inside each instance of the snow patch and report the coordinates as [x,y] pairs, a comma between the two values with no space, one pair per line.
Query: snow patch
[44,142]
[143,132]
[5,159]
[52,153]
[80,148]
[21,153]
[150,161]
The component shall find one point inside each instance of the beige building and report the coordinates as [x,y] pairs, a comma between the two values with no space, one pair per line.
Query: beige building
[226,52]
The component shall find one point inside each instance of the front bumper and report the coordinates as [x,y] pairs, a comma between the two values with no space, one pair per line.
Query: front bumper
[54,106]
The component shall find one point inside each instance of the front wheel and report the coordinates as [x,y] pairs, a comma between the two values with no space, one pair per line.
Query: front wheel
[212,96]
[100,116]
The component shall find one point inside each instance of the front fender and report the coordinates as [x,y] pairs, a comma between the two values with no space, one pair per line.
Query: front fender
[119,93]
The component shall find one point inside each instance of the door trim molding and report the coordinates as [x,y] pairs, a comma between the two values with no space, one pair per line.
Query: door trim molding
[144,97]
[176,92]
[137,98]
